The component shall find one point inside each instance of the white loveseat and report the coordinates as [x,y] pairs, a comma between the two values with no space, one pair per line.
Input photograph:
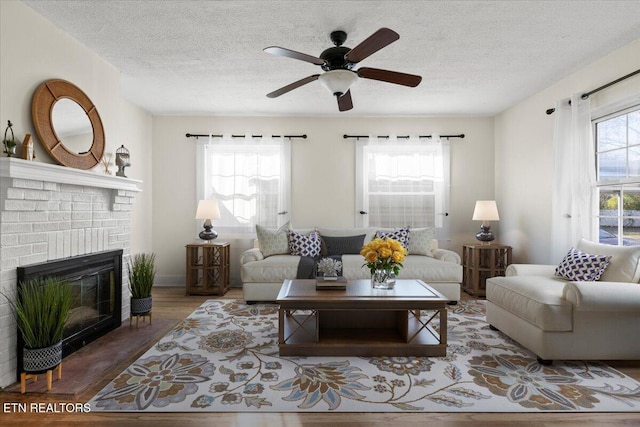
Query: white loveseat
[564,320]
[263,276]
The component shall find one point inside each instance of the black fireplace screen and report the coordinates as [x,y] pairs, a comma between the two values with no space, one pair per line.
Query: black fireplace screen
[96,283]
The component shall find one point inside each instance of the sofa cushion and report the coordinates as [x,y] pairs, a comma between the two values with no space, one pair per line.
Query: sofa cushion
[346,232]
[538,300]
[420,240]
[581,266]
[276,268]
[415,267]
[342,245]
[304,245]
[399,234]
[625,260]
[273,242]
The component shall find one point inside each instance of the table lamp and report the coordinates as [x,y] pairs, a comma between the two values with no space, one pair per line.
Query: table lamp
[485,211]
[208,210]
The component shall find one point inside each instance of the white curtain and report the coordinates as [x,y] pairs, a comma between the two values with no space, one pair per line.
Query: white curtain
[402,182]
[250,179]
[574,176]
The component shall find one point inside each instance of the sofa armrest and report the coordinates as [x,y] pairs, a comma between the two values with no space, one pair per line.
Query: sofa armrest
[603,296]
[249,255]
[446,255]
[530,270]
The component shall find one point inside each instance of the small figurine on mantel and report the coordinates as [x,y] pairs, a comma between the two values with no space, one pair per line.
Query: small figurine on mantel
[122,160]
[9,143]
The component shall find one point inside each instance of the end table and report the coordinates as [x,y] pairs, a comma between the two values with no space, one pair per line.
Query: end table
[207,268]
[480,262]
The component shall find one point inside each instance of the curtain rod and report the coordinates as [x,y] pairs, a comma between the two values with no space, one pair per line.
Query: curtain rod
[197,135]
[402,136]
[588,94]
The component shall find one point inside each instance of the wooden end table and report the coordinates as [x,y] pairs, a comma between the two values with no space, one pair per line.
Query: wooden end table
[481,262]
[207,268]
[361,321]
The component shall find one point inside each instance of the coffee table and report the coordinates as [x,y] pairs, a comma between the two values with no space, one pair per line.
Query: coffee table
[361,321]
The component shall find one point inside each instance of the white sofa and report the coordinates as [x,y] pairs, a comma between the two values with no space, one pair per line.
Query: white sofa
[263,276]
[564,320]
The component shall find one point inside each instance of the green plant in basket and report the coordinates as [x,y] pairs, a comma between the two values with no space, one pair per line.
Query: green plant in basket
[41,310]
[142,273]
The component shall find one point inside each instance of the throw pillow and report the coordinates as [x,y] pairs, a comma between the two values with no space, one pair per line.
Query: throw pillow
[342,245]
[420,241]
[581,266]
[399,234]
[273,242]
[302,245]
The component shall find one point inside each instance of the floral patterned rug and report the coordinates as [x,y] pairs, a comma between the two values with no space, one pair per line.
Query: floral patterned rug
[224,357]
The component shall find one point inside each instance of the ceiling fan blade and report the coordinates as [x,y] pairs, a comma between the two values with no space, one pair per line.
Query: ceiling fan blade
[376,41]
[281,51]
[292,86]
[344,102]
[395,77]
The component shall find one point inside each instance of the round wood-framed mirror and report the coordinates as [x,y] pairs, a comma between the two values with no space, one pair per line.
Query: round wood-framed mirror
[44,99]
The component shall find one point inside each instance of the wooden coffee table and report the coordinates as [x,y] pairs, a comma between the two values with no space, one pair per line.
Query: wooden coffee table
[361,321]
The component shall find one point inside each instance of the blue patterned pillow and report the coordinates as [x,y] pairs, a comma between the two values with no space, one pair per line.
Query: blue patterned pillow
[581,266]
[399,234]
[299,244]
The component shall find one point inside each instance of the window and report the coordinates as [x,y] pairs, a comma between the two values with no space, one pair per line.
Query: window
[250,179]
[403,183]
[618,167]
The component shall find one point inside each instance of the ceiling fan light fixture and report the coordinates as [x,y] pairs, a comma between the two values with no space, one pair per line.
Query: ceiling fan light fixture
[338,81]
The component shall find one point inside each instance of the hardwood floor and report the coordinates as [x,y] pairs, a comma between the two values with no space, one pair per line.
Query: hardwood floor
[171,304]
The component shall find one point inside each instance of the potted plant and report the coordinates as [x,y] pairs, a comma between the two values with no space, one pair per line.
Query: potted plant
[41,309]
[142,272]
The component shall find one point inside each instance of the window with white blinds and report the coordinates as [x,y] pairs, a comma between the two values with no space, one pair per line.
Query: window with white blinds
[403,183]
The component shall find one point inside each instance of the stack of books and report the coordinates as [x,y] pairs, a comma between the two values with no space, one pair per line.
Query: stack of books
[336,282]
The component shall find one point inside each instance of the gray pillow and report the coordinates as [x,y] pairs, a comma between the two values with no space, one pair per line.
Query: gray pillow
[273,242]
[342,245]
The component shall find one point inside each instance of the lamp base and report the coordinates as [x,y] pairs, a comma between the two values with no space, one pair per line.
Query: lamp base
[208,234]
[485,234]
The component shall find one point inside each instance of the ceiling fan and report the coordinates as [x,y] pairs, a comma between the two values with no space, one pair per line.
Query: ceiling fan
[338,63]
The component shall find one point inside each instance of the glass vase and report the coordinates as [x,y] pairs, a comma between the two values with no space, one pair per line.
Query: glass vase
[383,279]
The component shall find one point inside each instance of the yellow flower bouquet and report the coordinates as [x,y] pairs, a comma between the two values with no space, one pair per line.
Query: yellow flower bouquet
[383,257]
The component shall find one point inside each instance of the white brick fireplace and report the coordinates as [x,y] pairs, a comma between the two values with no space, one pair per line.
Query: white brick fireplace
[50,212]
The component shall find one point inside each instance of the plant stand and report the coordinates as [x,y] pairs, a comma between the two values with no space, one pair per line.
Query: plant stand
[24,376]
[138,316]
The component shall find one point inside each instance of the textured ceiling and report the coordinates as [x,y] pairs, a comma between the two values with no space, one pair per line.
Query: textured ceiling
[475,57]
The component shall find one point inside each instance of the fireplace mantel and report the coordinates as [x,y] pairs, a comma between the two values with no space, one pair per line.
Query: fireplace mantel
[11,167]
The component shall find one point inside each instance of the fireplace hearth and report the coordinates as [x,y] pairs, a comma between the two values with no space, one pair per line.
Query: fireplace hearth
[96,283]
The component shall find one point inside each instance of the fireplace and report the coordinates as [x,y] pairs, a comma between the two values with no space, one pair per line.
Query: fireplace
[96,283]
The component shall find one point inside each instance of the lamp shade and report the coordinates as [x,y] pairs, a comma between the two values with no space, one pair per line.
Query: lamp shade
[338,81]
[208,209]
[486,210]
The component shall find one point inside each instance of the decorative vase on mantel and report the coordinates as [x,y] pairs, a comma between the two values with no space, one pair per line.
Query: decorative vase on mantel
[383,279]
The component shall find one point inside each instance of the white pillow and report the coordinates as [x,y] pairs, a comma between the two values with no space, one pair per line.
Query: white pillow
[420,240]
[625,261]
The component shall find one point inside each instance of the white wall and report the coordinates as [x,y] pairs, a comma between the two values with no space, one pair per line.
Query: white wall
[34,50]
[323,178]
[523,151]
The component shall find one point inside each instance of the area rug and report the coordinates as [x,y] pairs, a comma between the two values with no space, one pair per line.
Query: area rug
[224,357]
